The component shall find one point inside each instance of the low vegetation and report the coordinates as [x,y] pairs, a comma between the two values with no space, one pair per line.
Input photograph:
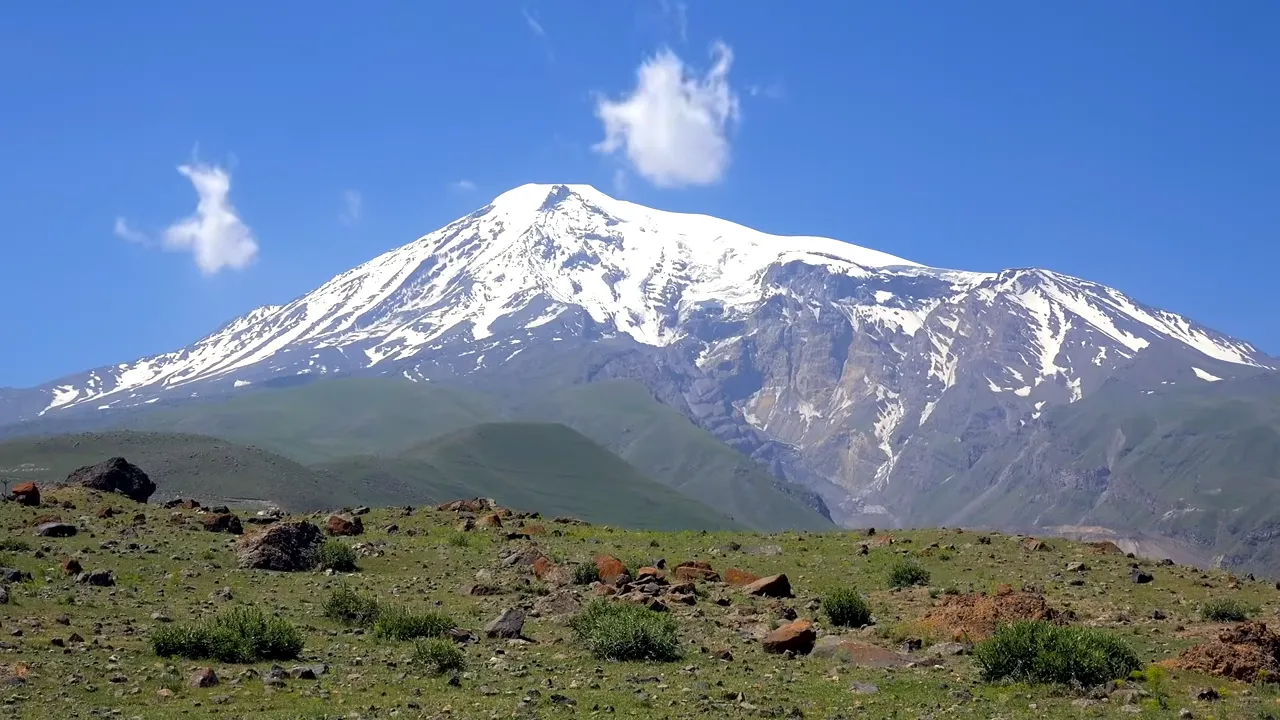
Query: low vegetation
[350,607]
[1035,651]
[845,607]
[906,573]
[623,631]
[439,656]
[1226,610]
[395,623]
[241,635]
[337,556]
[585,574]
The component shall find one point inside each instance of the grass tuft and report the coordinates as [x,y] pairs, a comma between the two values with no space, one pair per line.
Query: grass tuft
[1226,610]
[351,608]
[439,655]
[395,623]
[337,556]
[1037,652]
[586,574]
[242,635]
[846,608]
[624,631]
[907,573]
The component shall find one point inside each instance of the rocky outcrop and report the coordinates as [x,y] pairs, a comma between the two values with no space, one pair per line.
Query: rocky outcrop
[344,525]
[115,475]
[223,523]
[283,546]
[26,493]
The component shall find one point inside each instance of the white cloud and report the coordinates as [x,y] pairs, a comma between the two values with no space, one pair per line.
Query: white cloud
[215,235]
[678,12]
[533,24]
[127,233]
[352,206]
[463,185]
[673,126]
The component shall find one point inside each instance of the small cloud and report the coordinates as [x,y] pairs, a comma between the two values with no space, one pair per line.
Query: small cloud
[772,91]
[533,23]
[123,231]
[352,205]
[215,235]
[673,127]
[463,185]
[678,13]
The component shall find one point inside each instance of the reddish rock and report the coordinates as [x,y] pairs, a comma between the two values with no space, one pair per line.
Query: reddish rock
[71,566]
[798,637]
[189,504]
[465,525]
[543,567]
[602,590]
[47,518]
[734,576]
[106,511]
[610,567]
[26,493]
[344,525]
[646,574]
[535,529]
[283,546]
[1035,545]
[223,523]
[473,505]
[204,678]
[492,520]
[696,570]
[772,586]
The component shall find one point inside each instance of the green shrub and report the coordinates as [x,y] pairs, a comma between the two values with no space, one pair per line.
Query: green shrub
[1035,651]
[336,555]
[1226,610]
[586,574]
[14,545]
[395,623]
[440,655]
[846,608]
[458,539]
[242,635]
[625,631]
[906,573]
[350,607]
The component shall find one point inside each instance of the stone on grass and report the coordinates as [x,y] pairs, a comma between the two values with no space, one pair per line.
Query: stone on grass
[773,586]
[115,475]
[509,624]
[285,546]
[798,637]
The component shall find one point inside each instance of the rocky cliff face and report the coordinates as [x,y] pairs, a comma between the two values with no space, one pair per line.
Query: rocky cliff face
[869,379]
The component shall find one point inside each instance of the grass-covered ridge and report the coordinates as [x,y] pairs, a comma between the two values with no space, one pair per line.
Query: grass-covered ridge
[407,632]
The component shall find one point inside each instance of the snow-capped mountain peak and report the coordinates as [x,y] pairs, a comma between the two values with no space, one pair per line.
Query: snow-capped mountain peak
[539,254]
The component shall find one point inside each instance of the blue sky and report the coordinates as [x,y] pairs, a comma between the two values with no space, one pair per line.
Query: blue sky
[1136,144]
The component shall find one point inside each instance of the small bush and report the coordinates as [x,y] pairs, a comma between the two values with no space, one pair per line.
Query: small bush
[586,574]
[399,624]
[1225,610]
[1035,651]
[624,631]
[906,573]
[458,539]
[242,635]
[846,608]
[337,556]
[439,655]
[14,545]
[351,608]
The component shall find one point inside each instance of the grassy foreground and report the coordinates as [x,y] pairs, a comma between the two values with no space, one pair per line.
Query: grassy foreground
[170,572]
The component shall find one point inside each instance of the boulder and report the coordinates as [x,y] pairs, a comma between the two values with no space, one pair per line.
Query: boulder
[509,624]
[465,525]
[525,557]
[223,523]
[557,604]
[856,652]
[97,578]
[13,575]
[696,570]
[26,493]
[71,566]
[798,637]
[203,678]
[284,546]
[610,567]
[492,520]
[773,586]
[344,525]
[734,576]
[56,530]
[115,475]
[1140,577]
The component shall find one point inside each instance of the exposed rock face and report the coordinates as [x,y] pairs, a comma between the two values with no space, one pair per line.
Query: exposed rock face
[223,523]
[776,586]
[26,493]
[1241,653]
[344,525]
[283,546]
[115,475]
[798,637]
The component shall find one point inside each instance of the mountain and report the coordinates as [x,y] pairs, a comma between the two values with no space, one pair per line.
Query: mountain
[867,378]
[541,466]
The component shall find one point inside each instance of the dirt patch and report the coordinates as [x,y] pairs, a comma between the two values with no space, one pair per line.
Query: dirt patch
[1249,652]
[976,616]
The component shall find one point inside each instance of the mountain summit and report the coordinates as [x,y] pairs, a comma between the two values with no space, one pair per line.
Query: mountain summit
[865,376]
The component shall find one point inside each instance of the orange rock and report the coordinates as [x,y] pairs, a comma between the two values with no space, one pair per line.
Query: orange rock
[492,520]
[798,637]
[696,570]
[340,525]
[734,576]
[603,590]
[26,493]
[772,586]
[71,566]
[649,573]
[610,568]
[535,529]
[542,567]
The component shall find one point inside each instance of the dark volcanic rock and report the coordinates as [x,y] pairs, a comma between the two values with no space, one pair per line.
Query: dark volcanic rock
[56,530]
[510,624]
[115,475]
[284,546]
[97,578]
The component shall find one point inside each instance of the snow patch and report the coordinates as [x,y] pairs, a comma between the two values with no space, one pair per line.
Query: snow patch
[1206,376]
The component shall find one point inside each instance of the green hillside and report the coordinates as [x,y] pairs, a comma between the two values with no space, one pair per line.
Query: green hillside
[554,469]
[182,465]
[657,439]
[1196,462]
